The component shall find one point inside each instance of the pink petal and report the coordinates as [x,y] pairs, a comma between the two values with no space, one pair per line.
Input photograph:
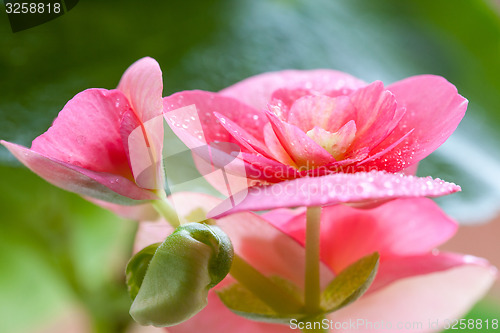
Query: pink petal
[267,170]
[433,108]
[150,232]
[244,138]
[301,148]
[321,111]
[411,170]
[400,227]
[267,249]
[228,180]
[188,124]
[397,268]
[340,188]
[142,85]
[376,156]
[226,172]
[86,133]
[143,143]
[280,217]
[376,114]
[275,148]
[144,212]
[256,91]
[284,99]
[345,166]
[206,104]
[441,296]
[256,167]
[217,161]
[99,185]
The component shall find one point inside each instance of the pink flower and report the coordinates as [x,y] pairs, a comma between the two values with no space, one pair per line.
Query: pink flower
[294,124]
[414,282]
[94,145]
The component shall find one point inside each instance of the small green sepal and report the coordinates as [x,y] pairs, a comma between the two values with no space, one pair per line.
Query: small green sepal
[344,289]
[350,284]
[243,302]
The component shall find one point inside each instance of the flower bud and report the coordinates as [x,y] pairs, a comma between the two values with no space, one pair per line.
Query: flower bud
[175,284]
[137,267]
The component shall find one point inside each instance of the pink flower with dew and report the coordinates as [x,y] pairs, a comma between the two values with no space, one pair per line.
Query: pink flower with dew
[103,142]
[295,124]
[414,282]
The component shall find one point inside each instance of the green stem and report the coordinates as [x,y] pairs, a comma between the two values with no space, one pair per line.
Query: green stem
[262,287]
[312,287]
[165,209]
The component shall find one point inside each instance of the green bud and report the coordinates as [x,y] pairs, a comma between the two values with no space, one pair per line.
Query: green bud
[175,285]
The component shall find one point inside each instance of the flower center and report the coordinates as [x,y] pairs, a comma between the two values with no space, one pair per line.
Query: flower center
[336,143]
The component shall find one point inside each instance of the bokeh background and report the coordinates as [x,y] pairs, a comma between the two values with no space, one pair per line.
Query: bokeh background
[62,259]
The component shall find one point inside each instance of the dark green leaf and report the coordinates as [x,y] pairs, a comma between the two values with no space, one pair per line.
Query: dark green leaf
[350,284]
[244,303]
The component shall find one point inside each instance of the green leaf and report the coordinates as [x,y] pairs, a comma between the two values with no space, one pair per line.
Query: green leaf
[193,259]
[243,302]
[347,287]
[350,284]
[137,267]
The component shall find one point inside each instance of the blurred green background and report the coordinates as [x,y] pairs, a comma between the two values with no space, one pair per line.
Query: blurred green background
[62,257]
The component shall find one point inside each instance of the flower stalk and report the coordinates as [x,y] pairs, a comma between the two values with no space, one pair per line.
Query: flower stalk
[165,208]
[312,284]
